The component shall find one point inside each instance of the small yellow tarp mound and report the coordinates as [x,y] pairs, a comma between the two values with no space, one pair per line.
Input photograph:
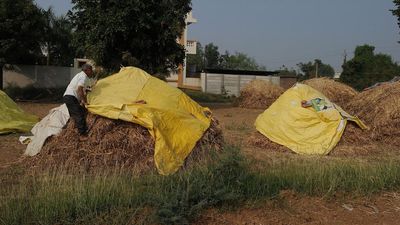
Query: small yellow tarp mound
[174,120]
[12,118]
[305,130]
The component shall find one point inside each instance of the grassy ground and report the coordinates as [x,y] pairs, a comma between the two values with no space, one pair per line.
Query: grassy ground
[239,179]
[226,181]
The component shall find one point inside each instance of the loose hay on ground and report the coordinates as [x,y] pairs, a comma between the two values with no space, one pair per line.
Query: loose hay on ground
[379,108]
[259,94]
[355,142]
[112,144]
[335,91]
[258,140]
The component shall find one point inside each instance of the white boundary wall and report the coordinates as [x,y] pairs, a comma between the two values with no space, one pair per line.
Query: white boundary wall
[39,76]
[230,84]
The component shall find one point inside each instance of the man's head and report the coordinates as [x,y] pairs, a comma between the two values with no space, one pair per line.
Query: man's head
[87,68]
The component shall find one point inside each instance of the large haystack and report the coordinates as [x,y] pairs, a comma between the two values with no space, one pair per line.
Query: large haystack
[259,94]
[379,108]
[354,142]
[113,144]
[337,92]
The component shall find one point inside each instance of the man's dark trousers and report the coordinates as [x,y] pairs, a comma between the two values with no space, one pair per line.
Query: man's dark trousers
[76,112]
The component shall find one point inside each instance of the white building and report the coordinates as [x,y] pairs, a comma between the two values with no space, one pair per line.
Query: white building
[179,78]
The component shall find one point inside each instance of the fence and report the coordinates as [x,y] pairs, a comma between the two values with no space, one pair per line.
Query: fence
[38,76]
[230,84]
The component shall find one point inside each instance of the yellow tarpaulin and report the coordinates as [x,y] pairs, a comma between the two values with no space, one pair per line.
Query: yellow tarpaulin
[12,118]
[312,129]
[174,120]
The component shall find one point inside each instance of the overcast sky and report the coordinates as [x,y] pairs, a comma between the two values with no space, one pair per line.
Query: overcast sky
[286,32]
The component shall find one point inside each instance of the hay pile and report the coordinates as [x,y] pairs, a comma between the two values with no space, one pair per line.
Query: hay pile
[354,142]
[259,94]
[112,144]
[258,140]
[379,108]
[337,92]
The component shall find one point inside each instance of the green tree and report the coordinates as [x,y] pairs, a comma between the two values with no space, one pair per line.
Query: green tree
[106,30]
[212,56]
[21,32]
[239,61]
[396,11]
[58,39]
[309,70]
[196,61]
[368,68]
[284,71]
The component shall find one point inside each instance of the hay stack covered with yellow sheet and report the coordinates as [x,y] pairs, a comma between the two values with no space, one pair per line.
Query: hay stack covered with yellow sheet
[304,121]
[162,133]
[12,118]
[259,94]
[339,93]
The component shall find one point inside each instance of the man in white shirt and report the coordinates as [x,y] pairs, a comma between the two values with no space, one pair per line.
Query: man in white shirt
[75,98]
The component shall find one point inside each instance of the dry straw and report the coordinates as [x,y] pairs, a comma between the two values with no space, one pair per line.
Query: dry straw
[113,144]
[335,91]
[259,94]
[379,108]
[257,139]
[354,142]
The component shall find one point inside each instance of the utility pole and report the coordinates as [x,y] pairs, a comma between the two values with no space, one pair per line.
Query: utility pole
[316,69]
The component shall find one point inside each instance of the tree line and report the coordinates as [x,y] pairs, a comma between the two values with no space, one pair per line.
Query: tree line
[144,34]
[111,32]
[209,57]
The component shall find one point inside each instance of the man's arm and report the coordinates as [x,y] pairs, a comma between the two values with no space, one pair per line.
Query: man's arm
[82,95]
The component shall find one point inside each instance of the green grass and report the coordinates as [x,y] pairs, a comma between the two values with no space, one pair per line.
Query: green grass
[225,182]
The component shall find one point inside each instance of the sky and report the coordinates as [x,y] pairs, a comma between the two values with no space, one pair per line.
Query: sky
[287,32]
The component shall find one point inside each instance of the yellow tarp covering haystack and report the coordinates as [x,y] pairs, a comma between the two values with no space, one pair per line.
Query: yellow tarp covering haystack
[12,118]
[174,120]
[305,130]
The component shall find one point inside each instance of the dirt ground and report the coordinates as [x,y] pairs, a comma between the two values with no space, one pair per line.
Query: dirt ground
[293,209]
[10,148]
[288,208]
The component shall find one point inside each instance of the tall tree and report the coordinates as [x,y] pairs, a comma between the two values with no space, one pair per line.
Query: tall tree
[239,61]
[146,30]
[368,68]
[58,39]
[396,11]
[196,61]
[21,32]
[315,69]
[212,56]
[284,71]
